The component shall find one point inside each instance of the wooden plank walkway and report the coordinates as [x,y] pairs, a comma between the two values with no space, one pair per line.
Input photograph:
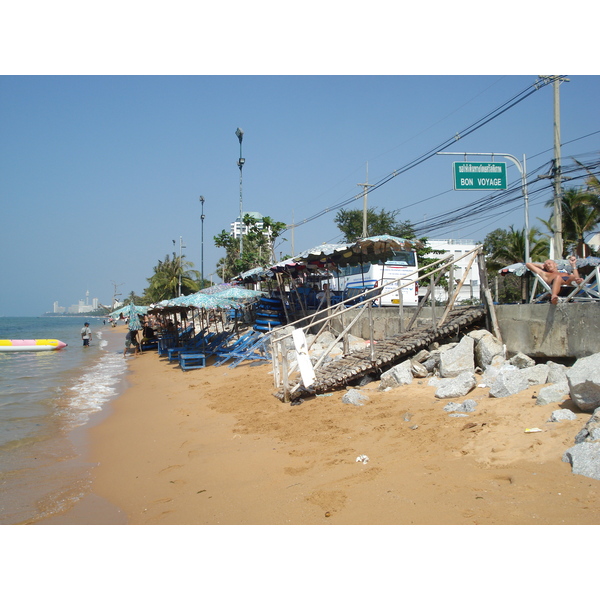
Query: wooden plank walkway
[387,353]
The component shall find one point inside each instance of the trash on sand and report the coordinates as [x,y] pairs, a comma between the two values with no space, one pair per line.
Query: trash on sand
[533,430]
[363,458]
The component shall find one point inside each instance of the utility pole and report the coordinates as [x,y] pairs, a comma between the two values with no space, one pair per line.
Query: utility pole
[365,187]
[557,240]
[202,242]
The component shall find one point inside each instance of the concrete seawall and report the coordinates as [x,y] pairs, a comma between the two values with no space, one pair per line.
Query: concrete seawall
[569,330]
[545,330]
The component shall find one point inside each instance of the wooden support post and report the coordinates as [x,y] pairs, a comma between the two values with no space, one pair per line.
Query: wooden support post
[372,345]
[432,292]
[284,373]
[401,310]
[492,312]
[483,287]
[282,296]
[457,291]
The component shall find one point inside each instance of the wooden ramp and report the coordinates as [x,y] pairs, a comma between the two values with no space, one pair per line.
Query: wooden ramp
[385,354]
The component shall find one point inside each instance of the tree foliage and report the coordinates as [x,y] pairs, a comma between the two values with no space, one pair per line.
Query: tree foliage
[350,223]
[503,247]
[258,247]
[580,215]
[384,222]
[164,283]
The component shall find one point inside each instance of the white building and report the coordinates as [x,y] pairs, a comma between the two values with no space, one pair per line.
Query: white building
[459,248]
[236,226]
[594,242]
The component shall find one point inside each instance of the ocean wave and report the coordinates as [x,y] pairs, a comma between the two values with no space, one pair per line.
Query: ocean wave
[98,385]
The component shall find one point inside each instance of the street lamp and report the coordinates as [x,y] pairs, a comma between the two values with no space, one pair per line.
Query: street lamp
[180,267]
[202,242]
[240,134]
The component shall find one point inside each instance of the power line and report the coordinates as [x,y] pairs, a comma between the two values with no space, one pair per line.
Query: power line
[492,203]
[508,104]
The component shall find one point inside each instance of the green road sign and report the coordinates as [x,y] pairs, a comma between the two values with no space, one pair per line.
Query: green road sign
[479,176]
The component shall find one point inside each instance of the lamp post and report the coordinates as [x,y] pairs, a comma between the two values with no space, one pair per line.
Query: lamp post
[180,267]
[240,134]
[202,242]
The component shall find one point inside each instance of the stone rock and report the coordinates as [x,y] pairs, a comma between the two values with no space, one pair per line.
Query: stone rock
[434,381]
[584,382]
[355,344]
[552,393]
[433,362]
[422,356]
[477,334]
[396,376]
[537,375]
[508,383]
[562,415]
[557,373]
[591,430]
[522,361]
[365,380]
[467,406]
[455,387]
[326,338]
[487,349]
[417,369]
[491,373]
[584,459]
[354,397]
[458,359]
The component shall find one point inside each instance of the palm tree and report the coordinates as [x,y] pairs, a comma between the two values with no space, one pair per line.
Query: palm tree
[580,214]
[513,251]
[164,283]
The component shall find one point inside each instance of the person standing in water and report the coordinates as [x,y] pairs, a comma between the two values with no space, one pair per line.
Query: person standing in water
[86,334]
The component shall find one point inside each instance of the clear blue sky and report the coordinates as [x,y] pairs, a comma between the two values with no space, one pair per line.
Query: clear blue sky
[100,173]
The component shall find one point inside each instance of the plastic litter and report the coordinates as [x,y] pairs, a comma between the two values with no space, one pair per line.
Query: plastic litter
[533,430]
[363,458]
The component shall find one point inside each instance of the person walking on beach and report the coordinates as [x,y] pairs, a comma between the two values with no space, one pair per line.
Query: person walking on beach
[86,334]
[131,340]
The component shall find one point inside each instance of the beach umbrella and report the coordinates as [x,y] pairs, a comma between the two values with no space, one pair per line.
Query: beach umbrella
[206,301]
[124,310]
[239,294]
[216,289]
[134,320]
[253,275]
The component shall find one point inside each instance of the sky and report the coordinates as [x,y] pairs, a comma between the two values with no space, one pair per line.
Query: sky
[102,168]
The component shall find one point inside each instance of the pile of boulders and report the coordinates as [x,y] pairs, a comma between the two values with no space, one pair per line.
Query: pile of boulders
[452,369]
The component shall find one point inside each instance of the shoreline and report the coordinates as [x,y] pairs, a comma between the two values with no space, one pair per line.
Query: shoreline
[214,446]
[91,509]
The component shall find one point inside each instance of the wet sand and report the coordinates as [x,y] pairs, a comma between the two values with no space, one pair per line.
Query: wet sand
[213,446]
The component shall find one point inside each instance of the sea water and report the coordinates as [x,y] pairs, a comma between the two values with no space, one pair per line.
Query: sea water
[45,400]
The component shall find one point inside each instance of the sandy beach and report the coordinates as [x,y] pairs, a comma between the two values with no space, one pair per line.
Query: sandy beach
[214,446]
